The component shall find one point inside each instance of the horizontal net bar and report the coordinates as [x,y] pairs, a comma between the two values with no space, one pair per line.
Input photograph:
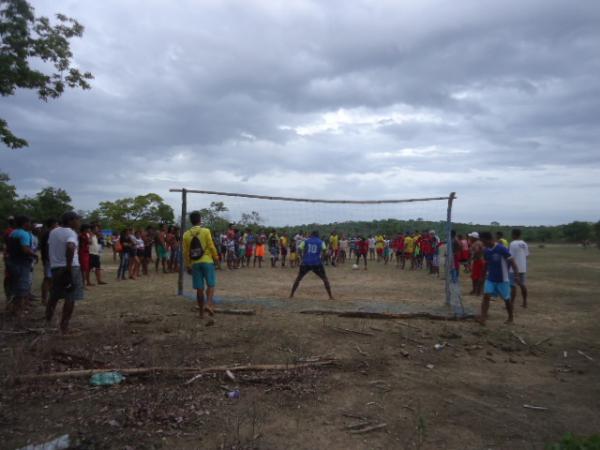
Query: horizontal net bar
[312,200]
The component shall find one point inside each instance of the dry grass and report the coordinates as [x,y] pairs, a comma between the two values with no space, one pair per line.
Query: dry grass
[471,399]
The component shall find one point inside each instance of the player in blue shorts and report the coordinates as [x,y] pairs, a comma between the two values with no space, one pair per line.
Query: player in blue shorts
[497,284]
[311,251]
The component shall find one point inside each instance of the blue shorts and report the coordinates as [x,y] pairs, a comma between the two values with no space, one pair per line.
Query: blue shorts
[522,276]
[20,278]
[501,289]
[203,272]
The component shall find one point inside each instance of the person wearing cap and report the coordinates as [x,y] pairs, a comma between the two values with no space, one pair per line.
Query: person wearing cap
[477,264]
[67,279]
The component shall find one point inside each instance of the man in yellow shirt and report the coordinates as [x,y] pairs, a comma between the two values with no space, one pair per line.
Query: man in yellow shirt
[409,249]
[200,256]
[334,246]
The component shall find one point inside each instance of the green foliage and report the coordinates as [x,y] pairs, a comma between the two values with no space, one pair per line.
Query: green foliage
[577,231]
[597,233]
[571,442]
[26,38]
[48,203]
[212,216]
[139,211]
[251,220]
[8,198]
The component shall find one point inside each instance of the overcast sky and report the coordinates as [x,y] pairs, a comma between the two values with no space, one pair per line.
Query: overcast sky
[496,100]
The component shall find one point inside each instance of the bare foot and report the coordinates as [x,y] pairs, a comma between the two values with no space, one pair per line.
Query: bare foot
[480,320]
[508,321]
[524,305]
[210,322]
[210,310]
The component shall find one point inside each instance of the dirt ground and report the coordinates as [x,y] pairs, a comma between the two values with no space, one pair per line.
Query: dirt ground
[468,395]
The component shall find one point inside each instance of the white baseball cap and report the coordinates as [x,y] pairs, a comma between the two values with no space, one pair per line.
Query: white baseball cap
[474,235]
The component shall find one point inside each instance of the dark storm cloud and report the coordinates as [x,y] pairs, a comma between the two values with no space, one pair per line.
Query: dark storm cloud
[302,97]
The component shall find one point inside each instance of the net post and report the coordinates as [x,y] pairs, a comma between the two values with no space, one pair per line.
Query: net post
[181,231]
[449,254]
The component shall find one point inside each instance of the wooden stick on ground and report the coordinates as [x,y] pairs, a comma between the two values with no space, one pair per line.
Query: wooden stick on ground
[536,408]
[199,370]
[543,341]
[347,330]
[586,356]
[376,315]
[378,426]
[236,312]
[521,340]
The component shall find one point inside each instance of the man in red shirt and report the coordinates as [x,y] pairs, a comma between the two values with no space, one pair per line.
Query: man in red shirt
[362,250]
[398,246]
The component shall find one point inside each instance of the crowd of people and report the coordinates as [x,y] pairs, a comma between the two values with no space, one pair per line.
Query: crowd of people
[70,252]
[247,248]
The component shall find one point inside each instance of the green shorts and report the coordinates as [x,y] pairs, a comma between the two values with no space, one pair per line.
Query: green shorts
[203,272]
[161,252]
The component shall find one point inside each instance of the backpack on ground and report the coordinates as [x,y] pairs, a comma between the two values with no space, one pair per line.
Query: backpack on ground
[196,250]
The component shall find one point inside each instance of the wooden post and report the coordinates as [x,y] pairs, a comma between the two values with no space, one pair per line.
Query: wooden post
[449,253]
[181,231]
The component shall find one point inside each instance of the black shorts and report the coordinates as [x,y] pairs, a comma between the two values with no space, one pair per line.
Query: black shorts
[148,252]
[94,261]
[318,269]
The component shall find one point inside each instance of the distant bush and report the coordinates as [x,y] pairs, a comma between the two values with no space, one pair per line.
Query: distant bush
[571,442]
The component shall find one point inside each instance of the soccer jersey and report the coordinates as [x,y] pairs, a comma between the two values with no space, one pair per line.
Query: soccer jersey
[311,249]
[379,242]
[497,259]
[409,244]
[334,241]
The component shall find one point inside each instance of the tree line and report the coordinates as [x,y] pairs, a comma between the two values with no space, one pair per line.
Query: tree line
[50,202]
[150,209]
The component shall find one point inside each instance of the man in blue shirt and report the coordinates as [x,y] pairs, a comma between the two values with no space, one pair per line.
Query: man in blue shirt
[20,257]
[497,284]
[311,251]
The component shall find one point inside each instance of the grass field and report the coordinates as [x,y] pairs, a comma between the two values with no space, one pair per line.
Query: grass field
[469,395]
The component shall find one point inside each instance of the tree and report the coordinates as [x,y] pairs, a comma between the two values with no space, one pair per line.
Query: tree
[577,231]
[48,203]
[597,233]
[8,198]
[25,39]
[212,217]
[252,219]
[139,211]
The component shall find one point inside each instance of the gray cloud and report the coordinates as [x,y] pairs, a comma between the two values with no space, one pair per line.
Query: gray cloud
[329,99]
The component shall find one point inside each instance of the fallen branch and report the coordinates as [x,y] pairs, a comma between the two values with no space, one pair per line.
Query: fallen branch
[358,349]
[198,370]
[347,330]
[536,408]
[236,312]
[543,341]
[375,315]
[583,354]
[379,426]
[521,340]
